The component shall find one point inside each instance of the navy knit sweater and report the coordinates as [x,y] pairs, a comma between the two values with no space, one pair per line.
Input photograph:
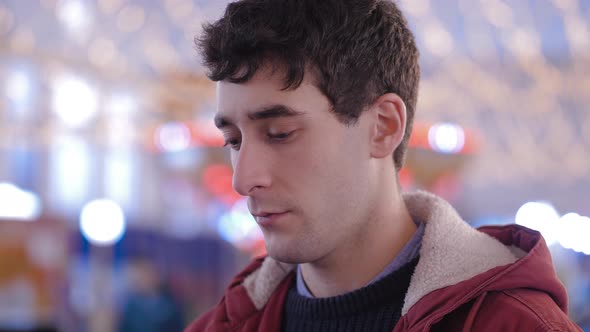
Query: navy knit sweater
[376,307]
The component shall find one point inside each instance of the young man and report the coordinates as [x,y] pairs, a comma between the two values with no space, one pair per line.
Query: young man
[316,101]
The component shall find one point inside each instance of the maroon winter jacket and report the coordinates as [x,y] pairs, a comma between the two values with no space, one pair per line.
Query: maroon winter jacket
[498,278]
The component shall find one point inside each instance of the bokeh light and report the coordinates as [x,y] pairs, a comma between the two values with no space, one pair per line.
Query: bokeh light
[239,227]
[19,88]
[446,138]
[540,216]
[102,222]
[18,204]
[173,137]
[75,101]
[571,230]
[75,17]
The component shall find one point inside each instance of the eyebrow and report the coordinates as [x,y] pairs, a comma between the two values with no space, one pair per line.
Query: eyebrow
[268,112]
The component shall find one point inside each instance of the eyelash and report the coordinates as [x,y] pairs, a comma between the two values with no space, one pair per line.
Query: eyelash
[230,143]
[279,136]
[276,138]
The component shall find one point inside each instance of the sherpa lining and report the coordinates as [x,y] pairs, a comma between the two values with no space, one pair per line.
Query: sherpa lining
[451,252]
[261,283]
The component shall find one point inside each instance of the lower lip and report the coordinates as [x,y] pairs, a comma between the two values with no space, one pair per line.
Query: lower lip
[270,219]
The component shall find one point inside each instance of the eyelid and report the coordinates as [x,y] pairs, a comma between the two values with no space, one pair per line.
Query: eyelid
[280,136]
[229,143]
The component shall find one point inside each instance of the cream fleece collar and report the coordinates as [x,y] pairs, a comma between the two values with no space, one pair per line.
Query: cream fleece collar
[452,251]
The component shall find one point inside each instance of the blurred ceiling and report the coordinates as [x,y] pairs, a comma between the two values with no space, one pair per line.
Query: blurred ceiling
[517,72]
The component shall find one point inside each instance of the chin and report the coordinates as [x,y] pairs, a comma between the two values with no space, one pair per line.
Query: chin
[288,248]
[284,256]
[288,254]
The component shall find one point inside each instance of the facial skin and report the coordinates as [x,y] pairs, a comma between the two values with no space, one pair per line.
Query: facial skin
[333,185]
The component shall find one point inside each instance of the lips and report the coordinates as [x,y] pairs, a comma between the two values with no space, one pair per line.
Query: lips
[266,219]
[265,214]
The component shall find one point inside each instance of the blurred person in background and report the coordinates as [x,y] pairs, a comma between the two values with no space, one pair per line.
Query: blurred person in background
[150,307]
[316,100]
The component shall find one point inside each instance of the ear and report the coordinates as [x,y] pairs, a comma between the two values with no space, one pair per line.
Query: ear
[389,115]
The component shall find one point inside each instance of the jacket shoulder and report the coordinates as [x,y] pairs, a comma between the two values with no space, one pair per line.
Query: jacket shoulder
[508,310]
[202,323]
[227,316]
[518,310]
[239,310]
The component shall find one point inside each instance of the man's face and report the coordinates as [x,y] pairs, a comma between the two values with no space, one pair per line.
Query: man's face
[306,175]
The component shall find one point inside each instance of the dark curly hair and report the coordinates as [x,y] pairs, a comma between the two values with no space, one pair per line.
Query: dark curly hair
[356,49]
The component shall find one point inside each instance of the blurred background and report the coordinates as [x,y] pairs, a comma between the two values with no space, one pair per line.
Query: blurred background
[116,206]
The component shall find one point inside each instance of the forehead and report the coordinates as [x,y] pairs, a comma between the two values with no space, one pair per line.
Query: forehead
[265,89]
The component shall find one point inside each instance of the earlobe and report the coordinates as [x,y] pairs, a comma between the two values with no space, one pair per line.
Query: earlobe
[389,113]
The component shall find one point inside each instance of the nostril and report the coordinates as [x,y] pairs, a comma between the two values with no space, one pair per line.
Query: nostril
[253,189]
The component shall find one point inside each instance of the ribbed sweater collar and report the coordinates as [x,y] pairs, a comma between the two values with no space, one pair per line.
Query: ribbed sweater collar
[392,287]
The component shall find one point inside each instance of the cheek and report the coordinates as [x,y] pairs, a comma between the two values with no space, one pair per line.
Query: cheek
[321,170]
[330,162]
[325,174]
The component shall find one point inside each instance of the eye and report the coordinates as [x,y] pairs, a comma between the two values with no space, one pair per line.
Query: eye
[234,143]
[279,137]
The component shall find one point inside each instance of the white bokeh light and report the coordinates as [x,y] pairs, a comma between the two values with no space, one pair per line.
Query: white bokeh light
[121,105]
[75,101]
[70,158]
[18,204]
[18,88]
[437,39]
[570,231]
[446,138]
[238,226]
[173,137]
[118,177]
[573,232]
[102,222]
[75,17]
[540,216]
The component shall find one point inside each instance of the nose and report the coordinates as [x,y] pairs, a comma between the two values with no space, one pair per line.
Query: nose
[251,169]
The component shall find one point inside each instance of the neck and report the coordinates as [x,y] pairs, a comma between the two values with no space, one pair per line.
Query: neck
[354,264]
